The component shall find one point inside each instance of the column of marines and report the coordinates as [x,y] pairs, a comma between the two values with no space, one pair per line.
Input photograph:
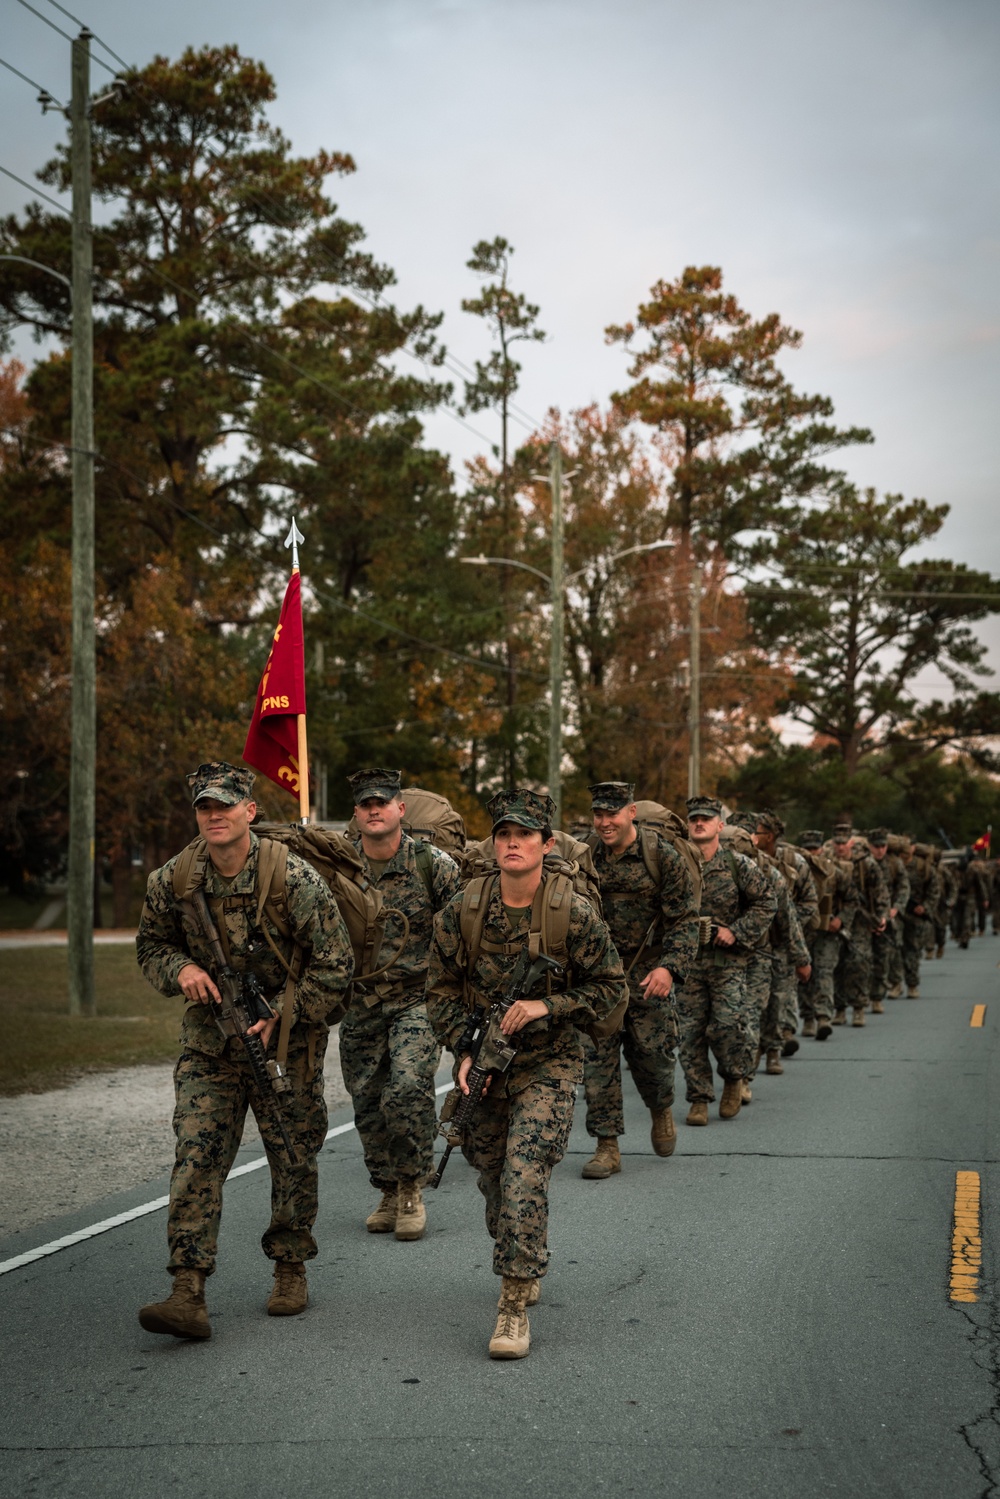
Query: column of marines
[702,939]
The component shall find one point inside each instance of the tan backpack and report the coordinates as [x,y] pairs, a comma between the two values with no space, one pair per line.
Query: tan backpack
[430,818]
[823,868]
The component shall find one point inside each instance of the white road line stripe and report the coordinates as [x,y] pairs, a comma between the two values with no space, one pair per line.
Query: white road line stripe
[6,1266]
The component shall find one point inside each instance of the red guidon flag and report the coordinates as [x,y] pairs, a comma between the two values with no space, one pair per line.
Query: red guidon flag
[272,739]
[982,845]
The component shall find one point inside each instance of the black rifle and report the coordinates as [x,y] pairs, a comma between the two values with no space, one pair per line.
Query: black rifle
[242,1006]
[492,1051]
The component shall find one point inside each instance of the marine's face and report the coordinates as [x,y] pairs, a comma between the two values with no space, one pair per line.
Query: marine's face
[222,825]
[703,827]
[765,839]
[615,829]
[879,851]
[377,817]
[842,850]
[520,850]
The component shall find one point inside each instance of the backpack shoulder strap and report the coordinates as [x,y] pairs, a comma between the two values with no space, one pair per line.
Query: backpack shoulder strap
[472,917]
[189,869]
[425,866]
[272,873]
[649,844]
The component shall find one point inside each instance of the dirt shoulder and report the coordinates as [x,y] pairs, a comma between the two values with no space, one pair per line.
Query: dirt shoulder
[105,1133]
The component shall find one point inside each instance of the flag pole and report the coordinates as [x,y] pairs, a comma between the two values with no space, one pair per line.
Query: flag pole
[292,540]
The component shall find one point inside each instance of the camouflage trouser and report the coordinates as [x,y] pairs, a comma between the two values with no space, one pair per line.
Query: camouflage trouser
[649,1040]
[915,938]
[389,1055]
[758,978]
[941,926]
[212,1095]
[514,1143]
[853,977]
[782,1006]
[713,1010]
[995,909]
[882,950]
[816,999]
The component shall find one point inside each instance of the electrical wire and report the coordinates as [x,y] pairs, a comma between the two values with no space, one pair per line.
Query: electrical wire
[40,87]
[99,60]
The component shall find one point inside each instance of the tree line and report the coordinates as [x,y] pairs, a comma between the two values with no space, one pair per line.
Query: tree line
[251,363]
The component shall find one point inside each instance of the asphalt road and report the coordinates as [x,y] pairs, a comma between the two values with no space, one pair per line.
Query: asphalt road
[767,1313]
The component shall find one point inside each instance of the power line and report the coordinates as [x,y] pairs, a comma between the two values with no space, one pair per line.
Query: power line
[36,192]
[40,87]
[99,60]
[93,33]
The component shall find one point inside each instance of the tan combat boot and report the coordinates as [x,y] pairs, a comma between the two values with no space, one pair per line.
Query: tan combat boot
[512,1335]
[878,1008]
[184,1313]
[698,1112]
[383,1220]
[912,991]
[824,1028]
[289,1294]
[411,1215]
[894,992]
[535,1294]
[663,1133]
[745,1095]
[774,1067]
[790,1044]
[605,1161]
[940,951]
[928,952]
[809,1028]
[859,1016]
[840,1017]
[732,1099]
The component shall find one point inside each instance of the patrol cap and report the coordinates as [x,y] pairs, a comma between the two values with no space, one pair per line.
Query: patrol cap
[384,784]
[842,831]
[771,822]
[222,782]
[811,838]
[748,821]
[611,796]
[879,836]
[529,809]
[703,806]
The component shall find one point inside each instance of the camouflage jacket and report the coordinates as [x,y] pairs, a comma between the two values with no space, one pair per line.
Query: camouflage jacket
[404,889]
[925,885]
[897,881]
[632,902]
[873,894]
[550,1049]
[785,931]
[738,895]
[802,887]
[168,938]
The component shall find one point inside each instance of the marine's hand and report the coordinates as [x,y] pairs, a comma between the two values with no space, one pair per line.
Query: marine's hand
[880,928]
[657,983]
[196,984]
[465,1068]
[521,1013]
[804,972]
[724,937]
[265,1030]
[835,923]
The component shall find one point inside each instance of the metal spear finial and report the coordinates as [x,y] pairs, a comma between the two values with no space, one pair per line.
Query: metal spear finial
[292,540]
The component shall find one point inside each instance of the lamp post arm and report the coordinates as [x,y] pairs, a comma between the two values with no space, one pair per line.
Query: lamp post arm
[23,260]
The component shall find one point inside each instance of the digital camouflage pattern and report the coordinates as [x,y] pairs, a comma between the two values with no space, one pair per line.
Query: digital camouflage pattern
[887,949]
[925,886]
[522,1127]
[714,1009]
[388,1051]
[816,998]
[853,979]
[213,1081]
[219,781]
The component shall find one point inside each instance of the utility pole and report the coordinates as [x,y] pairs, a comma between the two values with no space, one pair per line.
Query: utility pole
[694,695]
[83,751]
[556,643]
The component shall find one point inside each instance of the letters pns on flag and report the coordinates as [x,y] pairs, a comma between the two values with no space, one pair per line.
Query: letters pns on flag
[272,739]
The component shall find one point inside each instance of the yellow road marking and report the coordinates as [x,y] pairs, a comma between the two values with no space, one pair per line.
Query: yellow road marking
[978,1015]
[966,1239]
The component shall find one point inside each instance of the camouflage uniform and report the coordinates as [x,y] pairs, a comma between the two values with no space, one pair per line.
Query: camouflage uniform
[789,951]
[388,1052]
[884,947]
[521,1128]
[925,888]
[816,998]
[795,868]
[213,1081]
[713,1008]
[648,1038]
[852,980]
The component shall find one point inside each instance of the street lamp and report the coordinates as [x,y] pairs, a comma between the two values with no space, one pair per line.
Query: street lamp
[557,583]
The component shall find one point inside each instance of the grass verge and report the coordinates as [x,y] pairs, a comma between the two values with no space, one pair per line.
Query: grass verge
[44,1047]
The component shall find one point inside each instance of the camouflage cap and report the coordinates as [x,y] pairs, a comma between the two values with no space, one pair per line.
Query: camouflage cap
[771,822]
[222,782]
[529,809]
[879,836]
[746,820]
[611,796]
[811,838]
[842,831]
[703,806]
[380,783]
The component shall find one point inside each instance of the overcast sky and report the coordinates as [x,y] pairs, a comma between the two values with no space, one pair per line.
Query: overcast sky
[838,159]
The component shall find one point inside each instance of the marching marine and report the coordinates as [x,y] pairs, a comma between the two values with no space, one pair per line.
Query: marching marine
[303,967]
[651,912]
[521,1128]
[388,1051]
